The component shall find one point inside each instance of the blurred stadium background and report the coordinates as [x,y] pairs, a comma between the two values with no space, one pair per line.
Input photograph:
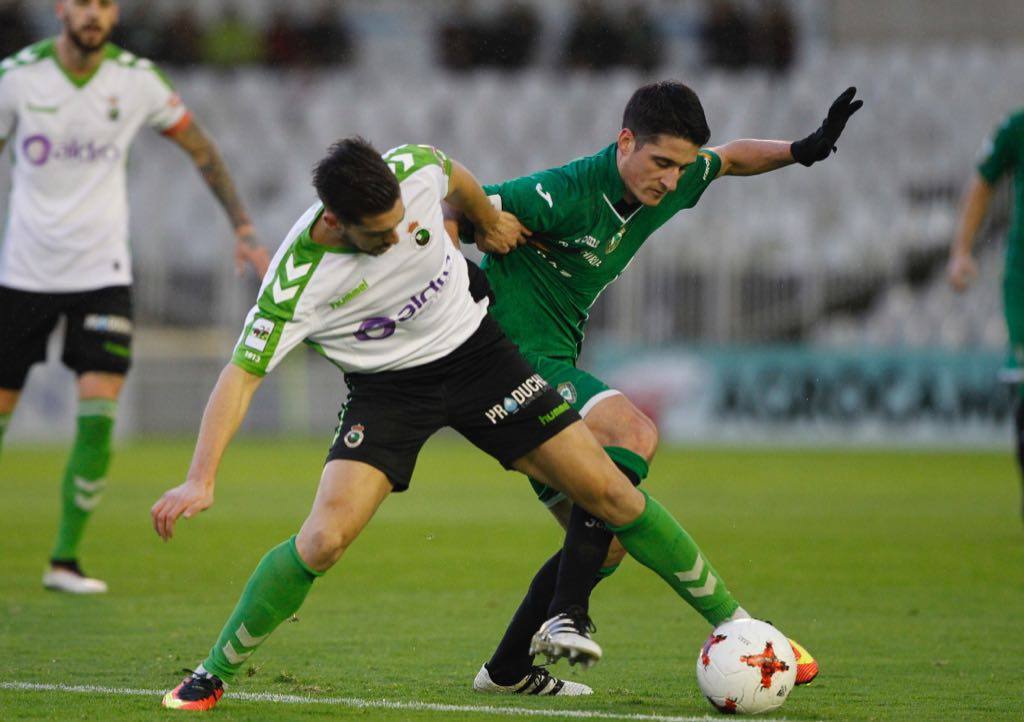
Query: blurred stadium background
[805,306]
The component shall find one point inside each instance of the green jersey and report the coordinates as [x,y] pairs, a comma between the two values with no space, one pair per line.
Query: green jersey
[1004,152]
[584,236]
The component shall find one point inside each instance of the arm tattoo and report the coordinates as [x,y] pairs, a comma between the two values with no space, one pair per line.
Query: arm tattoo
[214,171]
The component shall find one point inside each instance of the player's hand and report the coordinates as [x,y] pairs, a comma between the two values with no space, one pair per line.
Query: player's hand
[185,500]
[505,234]
[961,271]
[248,251]
[822,142]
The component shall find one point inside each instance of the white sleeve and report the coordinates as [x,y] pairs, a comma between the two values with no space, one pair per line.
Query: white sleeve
[164,110]
[267,339]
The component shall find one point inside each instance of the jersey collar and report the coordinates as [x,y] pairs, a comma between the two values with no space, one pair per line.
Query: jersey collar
[49,49]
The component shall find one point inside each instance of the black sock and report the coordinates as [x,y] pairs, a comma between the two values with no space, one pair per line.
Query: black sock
[512,661]
[1018,423]
[586,545]
[583,553]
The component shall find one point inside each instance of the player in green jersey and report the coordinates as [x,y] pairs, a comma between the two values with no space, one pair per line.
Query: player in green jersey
[1003,153]
[589,218]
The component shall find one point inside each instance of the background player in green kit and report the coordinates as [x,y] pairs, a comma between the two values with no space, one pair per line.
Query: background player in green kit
[1003,153]
[589,218]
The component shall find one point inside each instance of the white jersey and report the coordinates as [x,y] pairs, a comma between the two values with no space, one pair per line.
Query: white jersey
[406,307]
[67,219]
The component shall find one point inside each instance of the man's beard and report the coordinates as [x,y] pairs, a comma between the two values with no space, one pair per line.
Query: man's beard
[80,42]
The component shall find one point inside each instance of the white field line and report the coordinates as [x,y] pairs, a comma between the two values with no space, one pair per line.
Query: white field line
[360,703]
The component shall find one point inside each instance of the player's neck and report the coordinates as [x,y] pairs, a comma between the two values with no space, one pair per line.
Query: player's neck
[75,60]
[323,235]
[627,195]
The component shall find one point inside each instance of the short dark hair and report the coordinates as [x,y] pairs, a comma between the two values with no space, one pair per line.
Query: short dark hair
[666,108]
[354,182]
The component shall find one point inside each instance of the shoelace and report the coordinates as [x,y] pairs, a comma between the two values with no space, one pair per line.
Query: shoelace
[539,680]
[581,620]
[203,682]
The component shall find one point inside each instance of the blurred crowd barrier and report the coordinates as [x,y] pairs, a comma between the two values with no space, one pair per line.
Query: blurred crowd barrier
[845,254]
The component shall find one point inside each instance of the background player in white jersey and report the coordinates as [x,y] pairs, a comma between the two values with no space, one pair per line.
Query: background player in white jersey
[70,107]
[370,279]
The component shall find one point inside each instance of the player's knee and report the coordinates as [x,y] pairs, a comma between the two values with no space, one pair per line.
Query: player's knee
[322,546]
[641,436]
[632,430]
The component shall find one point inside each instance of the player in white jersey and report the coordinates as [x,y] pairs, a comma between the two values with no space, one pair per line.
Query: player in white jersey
[70,108]
[370,279]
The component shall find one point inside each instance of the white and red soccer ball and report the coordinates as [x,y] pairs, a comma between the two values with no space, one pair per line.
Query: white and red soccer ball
[746,667]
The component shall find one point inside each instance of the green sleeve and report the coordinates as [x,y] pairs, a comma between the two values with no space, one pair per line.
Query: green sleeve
[407,159]
[542,201]
[1000,150]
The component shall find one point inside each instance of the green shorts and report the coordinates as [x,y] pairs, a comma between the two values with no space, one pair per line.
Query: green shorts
[1013,310]
[576,386]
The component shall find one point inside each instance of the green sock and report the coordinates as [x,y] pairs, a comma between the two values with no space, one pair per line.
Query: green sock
[656,540]
[274,593]
[83,482]
[4,420]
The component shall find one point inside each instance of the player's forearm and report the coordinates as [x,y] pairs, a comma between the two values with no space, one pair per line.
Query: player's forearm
[224,413]
[215,172]
[973,207]
[752,157]
[467,196]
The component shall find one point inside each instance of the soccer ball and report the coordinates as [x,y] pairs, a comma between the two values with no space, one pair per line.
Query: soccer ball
[746,667]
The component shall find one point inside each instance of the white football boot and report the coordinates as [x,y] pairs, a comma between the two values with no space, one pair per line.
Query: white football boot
[538,682]
[69,578]
[567,636]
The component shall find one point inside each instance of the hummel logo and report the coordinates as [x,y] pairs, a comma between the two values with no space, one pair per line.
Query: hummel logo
[545,195]
[42,108]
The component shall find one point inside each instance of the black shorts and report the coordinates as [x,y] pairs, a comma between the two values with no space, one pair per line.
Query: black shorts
[98,336]
[484,389]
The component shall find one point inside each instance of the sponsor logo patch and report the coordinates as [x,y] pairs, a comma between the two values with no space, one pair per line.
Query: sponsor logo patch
[554,413]
[520,397]
[103,323]
[354,437]
[260,333]
[376,328]
[339,302]
[39,149]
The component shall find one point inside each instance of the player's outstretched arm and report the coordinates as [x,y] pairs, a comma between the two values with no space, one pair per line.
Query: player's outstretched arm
[973,207]
[201,148]
[496,231]
[224,412]
[752,157]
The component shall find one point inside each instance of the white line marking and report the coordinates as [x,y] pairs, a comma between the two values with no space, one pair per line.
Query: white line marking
[360,703]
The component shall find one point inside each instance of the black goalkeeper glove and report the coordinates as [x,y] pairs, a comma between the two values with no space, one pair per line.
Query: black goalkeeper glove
[819,144]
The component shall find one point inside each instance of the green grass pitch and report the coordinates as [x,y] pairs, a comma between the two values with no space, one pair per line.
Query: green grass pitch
[903,572]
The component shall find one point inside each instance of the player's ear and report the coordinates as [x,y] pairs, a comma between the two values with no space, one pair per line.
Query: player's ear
[331,220]
[626,141]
